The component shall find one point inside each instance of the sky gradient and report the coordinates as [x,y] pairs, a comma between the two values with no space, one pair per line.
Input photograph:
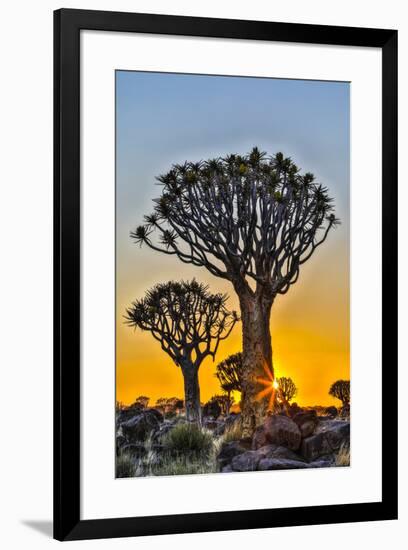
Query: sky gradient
[162,119]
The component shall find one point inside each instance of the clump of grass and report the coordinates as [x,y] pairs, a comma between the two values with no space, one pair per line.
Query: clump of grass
[125,466]
[189,440]
[343,455]
[233,432]
[172,466]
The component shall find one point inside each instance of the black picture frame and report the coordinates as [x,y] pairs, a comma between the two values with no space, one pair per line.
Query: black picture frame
[67,26]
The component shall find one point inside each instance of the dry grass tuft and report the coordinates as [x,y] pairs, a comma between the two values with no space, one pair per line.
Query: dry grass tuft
[233,432]
[343,456]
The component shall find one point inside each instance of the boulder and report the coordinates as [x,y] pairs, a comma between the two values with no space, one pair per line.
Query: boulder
[280,464]
[278,451]
[282,430]
[249,461]
[259,438]
[140,426]
[323,462]
[306,421]
[315,446]
[245,462]
[230,450]
[337,433]
[331,411]
[294,409]
[328,438]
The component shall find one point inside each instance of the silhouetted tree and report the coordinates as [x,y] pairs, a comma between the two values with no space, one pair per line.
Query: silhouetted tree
[189,322]
[229,374]
[212,407]
[253,220]
[286,389]
[161,403]
[225,401]
[141,401]
[341,390]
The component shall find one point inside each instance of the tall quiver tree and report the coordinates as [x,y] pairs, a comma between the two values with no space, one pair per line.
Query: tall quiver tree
[189,322]
[253,220]
[229,374]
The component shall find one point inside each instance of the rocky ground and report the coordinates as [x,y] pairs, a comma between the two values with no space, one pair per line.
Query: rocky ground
[298,439]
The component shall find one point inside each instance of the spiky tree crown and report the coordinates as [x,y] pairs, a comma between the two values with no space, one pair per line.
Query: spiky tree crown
[287,388]
[244,218]
[184,317]
[229,372]
[341,390]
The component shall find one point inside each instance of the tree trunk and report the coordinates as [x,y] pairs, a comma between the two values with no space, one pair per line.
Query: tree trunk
[228,405]
[257,361]
[191,392]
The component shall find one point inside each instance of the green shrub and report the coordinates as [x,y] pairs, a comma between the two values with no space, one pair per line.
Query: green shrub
[188,439]
[125,466]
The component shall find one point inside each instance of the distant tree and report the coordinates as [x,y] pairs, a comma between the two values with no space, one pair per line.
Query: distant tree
[253,220]
[119,406]
[212,407]
[141,401]
[341,390]
[229,373]
[161,403]
[225,401]
[286,389]
[179,405]
[189,322]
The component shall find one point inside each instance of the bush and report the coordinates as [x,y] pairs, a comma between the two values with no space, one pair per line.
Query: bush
[188,439]
[125,466]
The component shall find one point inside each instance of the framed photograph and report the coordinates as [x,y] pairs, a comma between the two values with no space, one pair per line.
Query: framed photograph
[225,274]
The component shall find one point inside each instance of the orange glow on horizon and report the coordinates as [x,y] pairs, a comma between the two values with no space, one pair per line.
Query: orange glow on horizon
[309,329]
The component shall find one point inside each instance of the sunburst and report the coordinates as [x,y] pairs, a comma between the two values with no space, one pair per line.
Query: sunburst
[271,386]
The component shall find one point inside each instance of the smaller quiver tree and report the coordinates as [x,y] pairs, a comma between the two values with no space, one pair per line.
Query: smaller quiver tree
[341,390]
[189,322]
[286,390]
[142,401]
[229,373]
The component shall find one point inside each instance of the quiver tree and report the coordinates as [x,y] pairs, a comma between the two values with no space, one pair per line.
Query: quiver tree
[341,390]
[229,374]
[189,322]
[253,220]
[286,389]
[142,401]
[169,404]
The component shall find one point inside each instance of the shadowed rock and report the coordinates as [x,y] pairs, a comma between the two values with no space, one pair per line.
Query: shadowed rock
[307,422]
[283,431]
[328,438]
[140,426]
[280,464]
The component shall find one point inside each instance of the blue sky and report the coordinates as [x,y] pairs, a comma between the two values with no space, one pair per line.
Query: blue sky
[166,118]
